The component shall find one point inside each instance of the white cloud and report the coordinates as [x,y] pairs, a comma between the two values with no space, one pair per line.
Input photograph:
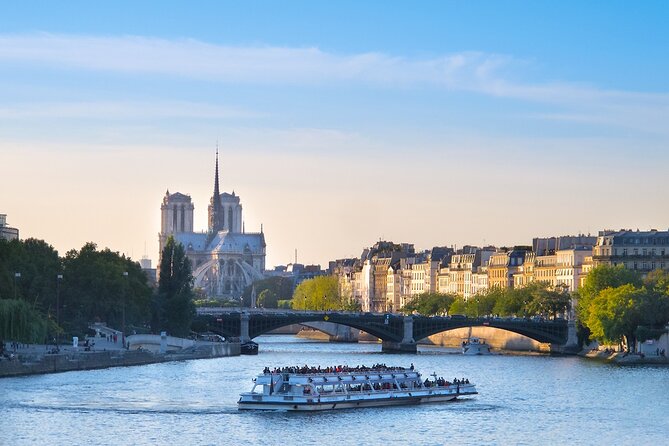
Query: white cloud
[467,71]
[121,110]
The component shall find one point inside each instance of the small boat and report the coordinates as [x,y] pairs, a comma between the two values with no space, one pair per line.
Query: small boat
[249,348]
[475,346]
[313,389]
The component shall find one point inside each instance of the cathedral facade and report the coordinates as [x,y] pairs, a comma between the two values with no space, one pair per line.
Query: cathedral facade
[226,259]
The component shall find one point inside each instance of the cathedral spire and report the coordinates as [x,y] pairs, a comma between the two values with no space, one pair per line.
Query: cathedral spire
[216,189]
[215,209]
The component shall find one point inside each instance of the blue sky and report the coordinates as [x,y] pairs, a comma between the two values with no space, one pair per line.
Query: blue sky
[339,122]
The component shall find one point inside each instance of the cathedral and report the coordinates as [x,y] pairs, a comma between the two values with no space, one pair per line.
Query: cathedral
[226,259]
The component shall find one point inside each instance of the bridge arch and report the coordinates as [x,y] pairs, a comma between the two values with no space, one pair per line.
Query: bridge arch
[545,332]
[387,327]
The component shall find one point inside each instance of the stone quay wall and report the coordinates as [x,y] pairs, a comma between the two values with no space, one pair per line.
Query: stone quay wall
[82,360]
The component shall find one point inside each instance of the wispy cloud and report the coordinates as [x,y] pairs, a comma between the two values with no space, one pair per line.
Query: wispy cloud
[195,59]
[468,71]
[121,110]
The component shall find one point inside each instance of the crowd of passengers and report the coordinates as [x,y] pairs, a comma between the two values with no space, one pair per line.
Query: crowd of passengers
[442,382]
[306,370]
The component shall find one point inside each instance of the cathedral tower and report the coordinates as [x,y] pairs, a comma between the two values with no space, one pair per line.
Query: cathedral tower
[176,216]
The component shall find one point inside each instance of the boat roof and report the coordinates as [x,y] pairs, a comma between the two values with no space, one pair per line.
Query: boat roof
[340,377]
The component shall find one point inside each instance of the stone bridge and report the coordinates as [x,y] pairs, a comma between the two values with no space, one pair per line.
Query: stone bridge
[399,333]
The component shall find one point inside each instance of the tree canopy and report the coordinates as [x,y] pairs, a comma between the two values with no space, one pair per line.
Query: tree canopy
[535,299]
[174,309]
[617,305]
[430,304]
[321,293]
[85,286]
[281,288]
[96,288]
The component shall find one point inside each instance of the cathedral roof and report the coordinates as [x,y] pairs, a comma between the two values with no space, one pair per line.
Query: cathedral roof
[237,242]
[196,241]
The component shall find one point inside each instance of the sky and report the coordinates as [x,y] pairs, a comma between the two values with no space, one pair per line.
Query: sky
[338,123]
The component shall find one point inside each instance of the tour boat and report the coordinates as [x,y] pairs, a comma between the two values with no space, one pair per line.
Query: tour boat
[475,346]
[309,389]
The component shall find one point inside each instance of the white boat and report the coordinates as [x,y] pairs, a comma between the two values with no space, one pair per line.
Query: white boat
[475,346]
[314,390]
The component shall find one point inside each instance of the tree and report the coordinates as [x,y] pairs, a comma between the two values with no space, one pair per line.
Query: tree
[614,314]
[320,293]
[545,301]
[512,302]
[39,265]
[600,278]
[19,321]
[173,308]
[267,299]
[282,287]
[459,306]
[430,304]
[96,288]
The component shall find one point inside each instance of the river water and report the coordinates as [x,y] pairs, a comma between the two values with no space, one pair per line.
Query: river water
[522,400]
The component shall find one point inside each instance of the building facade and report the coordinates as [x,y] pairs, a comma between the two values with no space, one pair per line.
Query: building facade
[642,251]
[226,259]
[7,232]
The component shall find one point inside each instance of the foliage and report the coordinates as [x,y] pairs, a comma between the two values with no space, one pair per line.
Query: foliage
[321,293]
[39,265]
[285,304]
[282,287]
[616,305]
[19,321]
[267,299]
[173,305]
[613,313]
[95,288]
[600,278]
[430,304]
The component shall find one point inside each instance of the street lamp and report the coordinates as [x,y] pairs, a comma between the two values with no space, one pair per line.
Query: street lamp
[125,275]
[59,277]
[16,277]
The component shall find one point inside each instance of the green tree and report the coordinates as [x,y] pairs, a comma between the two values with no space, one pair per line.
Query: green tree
[430,304]
[96,288]
[614,314]
[545,301]
[39,265]
[267,299]
[459,306]
[600,278]
[19,321]
[512,302]
[174,309]
[282,287]
[319,293]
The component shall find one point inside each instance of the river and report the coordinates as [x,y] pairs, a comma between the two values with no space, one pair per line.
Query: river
[522,400]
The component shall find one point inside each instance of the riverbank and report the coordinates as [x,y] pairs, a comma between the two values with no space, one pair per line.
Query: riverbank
[623,358]
[37,359]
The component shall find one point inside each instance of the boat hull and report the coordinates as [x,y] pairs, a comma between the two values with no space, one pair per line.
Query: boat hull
[344,403]
[249,348]
[476,350]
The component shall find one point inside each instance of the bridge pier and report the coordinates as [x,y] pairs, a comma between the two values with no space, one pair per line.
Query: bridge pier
[406,345]
[344,334]
[571,347]
[398,347]
[244,328]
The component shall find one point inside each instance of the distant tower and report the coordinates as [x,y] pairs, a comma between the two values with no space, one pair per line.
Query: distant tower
[225,210]
[176,216]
